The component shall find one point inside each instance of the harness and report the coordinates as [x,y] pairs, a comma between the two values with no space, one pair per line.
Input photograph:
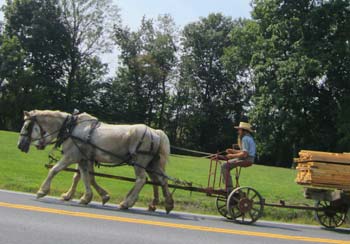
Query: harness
[66,131]
[128,160]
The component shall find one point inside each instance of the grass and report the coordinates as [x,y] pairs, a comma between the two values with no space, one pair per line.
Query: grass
[25,172]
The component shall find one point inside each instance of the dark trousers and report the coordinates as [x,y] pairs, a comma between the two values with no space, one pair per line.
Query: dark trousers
[231,164]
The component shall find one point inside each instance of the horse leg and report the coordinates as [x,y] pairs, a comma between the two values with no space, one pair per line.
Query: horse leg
[70,193]
[102,192]
[85,175]
[153,204]
[45,186]
[159,164]
[155,201]
[169,202]
[131,198]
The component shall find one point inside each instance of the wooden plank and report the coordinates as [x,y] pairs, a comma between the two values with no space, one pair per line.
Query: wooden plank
[323,169]
[343,158]
[323,174]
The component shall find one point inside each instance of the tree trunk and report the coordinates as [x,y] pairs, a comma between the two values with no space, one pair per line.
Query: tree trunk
[71,78]
[161,115]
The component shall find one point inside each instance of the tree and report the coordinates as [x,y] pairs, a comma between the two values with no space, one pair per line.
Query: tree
[295,91]
[209,97]
[89,24]
[32,55]
[147,58]
[49,55]
[327,39]
[237,57]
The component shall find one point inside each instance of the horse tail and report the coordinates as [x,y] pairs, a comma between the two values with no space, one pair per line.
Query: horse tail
[164,153]
[164,148]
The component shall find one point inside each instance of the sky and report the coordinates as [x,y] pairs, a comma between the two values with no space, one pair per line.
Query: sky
[183,12]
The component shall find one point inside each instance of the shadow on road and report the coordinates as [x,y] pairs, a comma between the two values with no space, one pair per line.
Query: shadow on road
[137,211]
[181,216]
[338,230]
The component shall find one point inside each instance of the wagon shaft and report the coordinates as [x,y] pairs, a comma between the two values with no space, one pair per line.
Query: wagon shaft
[208,191]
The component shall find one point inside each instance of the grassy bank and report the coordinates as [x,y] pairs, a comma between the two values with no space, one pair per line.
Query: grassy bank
[25,172]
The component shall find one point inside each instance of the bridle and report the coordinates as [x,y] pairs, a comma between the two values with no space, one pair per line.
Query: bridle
[64,132]
[43,133]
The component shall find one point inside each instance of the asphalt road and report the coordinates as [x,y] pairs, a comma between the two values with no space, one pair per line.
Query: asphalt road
[25,219]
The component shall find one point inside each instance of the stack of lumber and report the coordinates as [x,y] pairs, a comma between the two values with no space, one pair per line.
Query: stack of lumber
[323,169]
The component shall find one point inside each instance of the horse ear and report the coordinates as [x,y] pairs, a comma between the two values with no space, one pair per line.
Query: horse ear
[26,114]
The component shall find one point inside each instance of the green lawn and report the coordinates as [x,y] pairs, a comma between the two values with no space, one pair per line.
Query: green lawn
[25,172]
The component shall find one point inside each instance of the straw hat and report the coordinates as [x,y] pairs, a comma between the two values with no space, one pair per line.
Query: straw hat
[245,126]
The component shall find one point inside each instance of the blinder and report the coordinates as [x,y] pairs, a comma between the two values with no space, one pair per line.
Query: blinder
[30,127]
[27,136]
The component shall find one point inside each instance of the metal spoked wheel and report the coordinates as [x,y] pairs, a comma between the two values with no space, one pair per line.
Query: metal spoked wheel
[221,206]
[245,205]
[330,216]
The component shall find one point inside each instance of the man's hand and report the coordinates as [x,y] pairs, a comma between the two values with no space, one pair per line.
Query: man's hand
[219,157]
[232,151]
[237,154]
[230,156]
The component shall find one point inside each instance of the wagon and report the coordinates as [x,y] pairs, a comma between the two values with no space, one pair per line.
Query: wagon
[245,205]
[332,206]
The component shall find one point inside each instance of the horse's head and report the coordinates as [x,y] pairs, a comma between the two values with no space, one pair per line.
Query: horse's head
[34,131]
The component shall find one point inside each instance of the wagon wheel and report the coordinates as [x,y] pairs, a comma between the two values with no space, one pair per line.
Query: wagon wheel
[330,216]
[245,205]
[221,206]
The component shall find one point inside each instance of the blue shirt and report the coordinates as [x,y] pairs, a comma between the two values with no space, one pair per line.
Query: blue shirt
[248,145]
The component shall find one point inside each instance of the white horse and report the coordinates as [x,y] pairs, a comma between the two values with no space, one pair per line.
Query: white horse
[85,140]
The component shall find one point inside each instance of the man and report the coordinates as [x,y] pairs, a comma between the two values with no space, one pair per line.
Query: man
[243,157]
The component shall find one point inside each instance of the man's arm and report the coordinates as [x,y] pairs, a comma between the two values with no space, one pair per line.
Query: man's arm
[243,153]
[232,151]
[240,154]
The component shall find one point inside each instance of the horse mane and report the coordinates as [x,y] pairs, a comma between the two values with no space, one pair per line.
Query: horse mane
[86,116]
[59,114]
[48,113]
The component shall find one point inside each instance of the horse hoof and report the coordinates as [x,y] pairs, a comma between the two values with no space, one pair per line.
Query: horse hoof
[65,197]
[105,199]
[83,201]
[168,209]
[152,208]
[40,194]
[122,206]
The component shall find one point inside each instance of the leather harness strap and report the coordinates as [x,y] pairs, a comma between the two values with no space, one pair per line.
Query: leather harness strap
[66,129]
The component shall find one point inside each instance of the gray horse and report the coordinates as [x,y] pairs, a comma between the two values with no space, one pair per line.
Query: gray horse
[85,140]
